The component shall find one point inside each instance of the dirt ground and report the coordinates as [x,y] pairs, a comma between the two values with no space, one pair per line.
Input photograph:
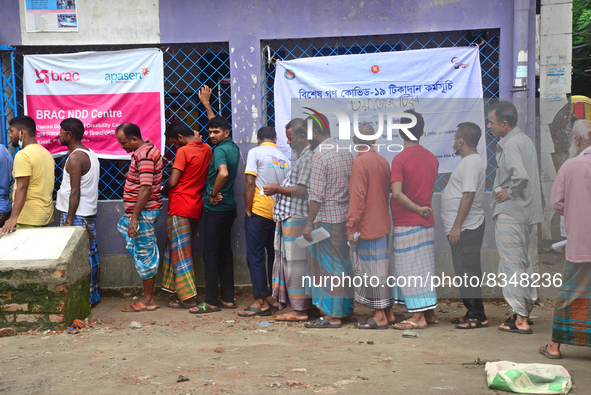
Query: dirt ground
[222,353]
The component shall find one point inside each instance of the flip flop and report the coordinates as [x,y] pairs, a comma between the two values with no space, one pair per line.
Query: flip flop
[433,322]
[203,308]
[413,325]
[321,323]
[514,329]
[179,305]
[544,352]
[514,317]
[458,320]
[257,312]
[290,318]
[372,325]
[137,307]
[470,321]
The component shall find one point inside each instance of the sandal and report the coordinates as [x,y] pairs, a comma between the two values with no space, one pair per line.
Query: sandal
[257,312]
[514,317]
[225,306]
[413,325]
[321,323]
[203,308]
[458,320]
[477,324]
[371,325]
[544,352]
[177,304]
[514,329]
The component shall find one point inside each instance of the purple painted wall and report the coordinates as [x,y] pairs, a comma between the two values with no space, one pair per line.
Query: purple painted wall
[10,26]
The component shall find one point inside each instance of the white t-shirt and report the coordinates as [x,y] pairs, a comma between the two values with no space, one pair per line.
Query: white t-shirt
[467,177]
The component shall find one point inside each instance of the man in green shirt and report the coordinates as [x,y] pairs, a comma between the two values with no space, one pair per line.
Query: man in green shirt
[219,214]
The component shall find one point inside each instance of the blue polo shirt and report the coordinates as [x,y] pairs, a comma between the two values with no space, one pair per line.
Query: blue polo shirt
[5,179]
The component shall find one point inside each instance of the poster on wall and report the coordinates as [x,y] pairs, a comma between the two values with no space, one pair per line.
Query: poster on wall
[103,90]
[443,84]
[51,16]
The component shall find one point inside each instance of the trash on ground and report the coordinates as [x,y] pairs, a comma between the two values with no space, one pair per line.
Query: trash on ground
[528,378]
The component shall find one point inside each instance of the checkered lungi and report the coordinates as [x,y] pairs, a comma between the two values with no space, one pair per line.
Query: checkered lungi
[143,248]
[177,267]
[89,223]
[413,260]
[372,261]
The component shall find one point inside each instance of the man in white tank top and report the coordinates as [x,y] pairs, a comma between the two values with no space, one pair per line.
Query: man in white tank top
[77,197]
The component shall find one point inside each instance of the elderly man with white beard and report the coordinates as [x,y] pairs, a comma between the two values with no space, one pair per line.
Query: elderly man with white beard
[571,197]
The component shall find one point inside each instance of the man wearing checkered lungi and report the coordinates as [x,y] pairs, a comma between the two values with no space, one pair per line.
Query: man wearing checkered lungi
[329,200]
[414,171]
[571,197]
[369,219]
[516,208]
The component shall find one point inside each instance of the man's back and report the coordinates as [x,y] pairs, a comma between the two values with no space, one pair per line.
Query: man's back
[145,169]
[186,199]
[571,194]
[329,181]
[416,167]
[268,165]
[35,162]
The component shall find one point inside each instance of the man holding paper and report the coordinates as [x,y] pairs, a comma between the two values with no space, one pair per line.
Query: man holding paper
[290,212]
[329,205]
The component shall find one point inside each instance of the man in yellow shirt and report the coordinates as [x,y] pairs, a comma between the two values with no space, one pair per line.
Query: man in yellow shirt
[33,172]
[264,164]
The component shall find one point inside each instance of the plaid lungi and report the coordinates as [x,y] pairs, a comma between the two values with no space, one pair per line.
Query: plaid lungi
[143,247]
[572,311]
[327,260]
[290,266]
[372,262]
[413,261]
[177,266]
[89,223]
[513,238]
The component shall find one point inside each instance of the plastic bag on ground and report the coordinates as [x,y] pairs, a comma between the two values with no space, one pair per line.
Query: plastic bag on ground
[528,378]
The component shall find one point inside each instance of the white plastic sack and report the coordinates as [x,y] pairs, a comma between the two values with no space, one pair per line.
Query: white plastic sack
[528,378]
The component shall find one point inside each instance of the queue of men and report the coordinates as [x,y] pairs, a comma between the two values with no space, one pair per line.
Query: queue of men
[356,201]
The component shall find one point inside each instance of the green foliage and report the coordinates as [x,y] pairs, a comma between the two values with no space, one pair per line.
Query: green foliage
[581,84]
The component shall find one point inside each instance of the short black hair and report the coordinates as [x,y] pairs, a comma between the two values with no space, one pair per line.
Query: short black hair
[322,129]
[416,130]
[218,123]
[24,122]
[470,133]
[74,126]
[266,133]
[130,130]
[297,126]
[505,111]
[176,128]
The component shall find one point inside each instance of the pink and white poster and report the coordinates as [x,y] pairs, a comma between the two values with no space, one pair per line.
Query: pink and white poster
[103,90]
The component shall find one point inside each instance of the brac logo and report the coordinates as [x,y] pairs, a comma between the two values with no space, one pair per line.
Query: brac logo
[45,76]
[345,124]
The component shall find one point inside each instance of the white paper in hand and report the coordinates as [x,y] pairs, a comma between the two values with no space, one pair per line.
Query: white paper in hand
[317,235]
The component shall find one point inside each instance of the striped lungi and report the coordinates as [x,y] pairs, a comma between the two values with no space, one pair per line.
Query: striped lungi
[372,263]
[89,223]
[413,261]
[328,265]
[572,311]
[177,267]
[290,266]
[143,247]
[513,238]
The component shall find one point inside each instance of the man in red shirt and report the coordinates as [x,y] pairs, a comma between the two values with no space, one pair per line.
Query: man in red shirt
[369,218]
[185,191]
[142,202]
[414,172]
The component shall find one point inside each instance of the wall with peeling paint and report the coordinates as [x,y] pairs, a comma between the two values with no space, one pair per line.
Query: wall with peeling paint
[244,23]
